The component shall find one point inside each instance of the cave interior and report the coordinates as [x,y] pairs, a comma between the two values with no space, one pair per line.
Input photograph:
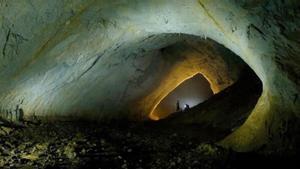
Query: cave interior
[149,84]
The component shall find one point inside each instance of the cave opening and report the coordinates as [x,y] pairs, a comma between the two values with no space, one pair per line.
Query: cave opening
[190,92]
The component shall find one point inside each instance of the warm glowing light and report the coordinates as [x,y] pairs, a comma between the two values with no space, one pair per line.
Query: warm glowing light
[153,117]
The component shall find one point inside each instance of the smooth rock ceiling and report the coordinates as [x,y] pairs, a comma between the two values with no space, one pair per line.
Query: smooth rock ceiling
[104,58]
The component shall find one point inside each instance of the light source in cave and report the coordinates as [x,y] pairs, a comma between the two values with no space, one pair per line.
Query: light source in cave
[189,93]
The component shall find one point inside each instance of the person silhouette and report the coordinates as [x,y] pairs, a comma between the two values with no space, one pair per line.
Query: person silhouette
[186,107]
[178,106]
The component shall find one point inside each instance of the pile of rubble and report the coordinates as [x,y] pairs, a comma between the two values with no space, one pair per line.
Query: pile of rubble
[70,145]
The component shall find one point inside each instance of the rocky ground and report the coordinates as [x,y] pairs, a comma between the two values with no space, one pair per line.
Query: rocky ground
[117,145]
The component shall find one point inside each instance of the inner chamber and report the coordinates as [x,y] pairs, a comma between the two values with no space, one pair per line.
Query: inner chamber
[220,89]
[188,94]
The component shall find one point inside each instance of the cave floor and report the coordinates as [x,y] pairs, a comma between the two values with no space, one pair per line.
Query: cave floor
[118,145]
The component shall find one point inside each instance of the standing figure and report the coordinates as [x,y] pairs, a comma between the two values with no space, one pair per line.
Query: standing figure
[178,106]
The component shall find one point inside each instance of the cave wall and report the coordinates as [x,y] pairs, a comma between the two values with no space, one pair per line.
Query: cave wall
[63,57]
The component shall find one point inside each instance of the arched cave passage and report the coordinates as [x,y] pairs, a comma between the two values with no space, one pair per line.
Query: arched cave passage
[228,77]
[183,59]
[67,64]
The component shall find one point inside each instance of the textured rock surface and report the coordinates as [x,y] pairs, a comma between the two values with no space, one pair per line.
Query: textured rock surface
[74,58]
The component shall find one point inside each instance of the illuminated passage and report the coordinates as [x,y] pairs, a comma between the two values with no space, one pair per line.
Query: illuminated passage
[190,93]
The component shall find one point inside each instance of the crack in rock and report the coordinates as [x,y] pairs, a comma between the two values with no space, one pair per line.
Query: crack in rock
[15,38]
[92,65]
[5,44]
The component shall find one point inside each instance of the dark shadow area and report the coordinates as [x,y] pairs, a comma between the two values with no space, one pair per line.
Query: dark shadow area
[120,144]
